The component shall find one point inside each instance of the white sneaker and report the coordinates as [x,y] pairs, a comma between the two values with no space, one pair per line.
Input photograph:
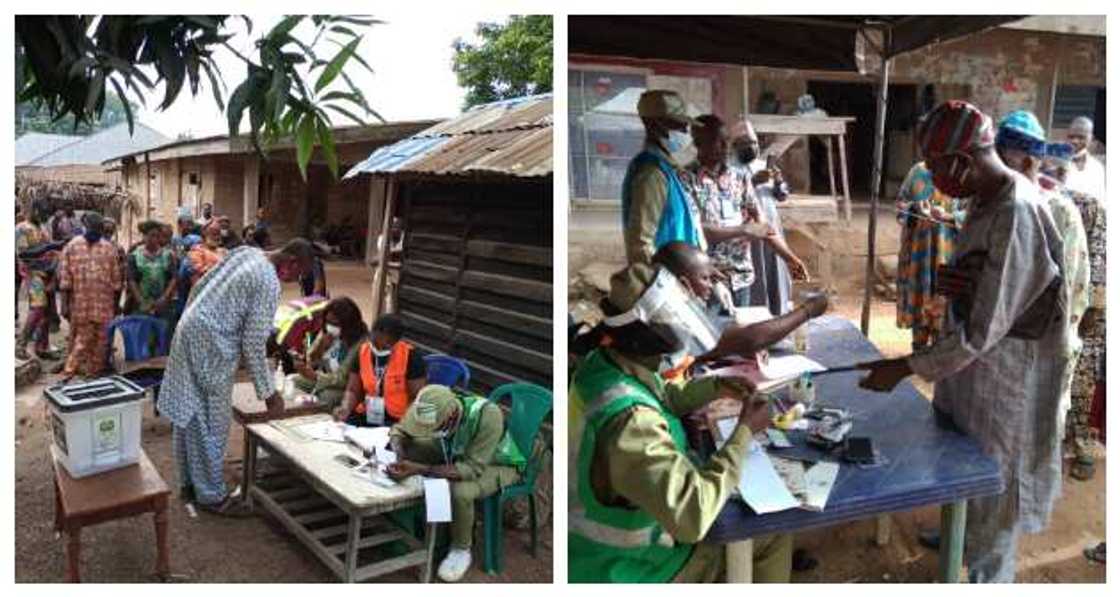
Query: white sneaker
[455,565]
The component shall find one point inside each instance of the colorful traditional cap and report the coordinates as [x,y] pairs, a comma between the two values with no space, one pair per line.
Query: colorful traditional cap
[1021,131]
[434,405]
[954,127]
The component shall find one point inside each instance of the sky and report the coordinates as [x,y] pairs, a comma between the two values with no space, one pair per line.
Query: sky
[410,56]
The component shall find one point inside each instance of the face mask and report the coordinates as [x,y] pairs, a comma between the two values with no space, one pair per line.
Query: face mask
[745,155]
[225,233]
[333,330]
[952,183]
[680,147]
[382,353]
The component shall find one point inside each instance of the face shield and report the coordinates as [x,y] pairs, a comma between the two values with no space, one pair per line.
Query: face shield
[673,315]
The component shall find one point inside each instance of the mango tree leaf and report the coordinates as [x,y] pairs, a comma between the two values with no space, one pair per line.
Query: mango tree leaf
[305,141]
[326,140]
[285,26]
[345,113]
[331,71]
[237,104]
[124,102]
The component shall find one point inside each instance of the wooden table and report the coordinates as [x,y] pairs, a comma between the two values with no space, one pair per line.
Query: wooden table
[121,493]
[248,409]
[334,513]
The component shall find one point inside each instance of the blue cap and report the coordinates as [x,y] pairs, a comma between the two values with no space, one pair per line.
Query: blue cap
[1020,130]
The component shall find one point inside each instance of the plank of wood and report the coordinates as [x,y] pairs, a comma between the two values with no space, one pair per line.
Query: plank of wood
[319,516]
[315,501]
[799,125]
[515,253]
[410,559]
[809,209]
[519,355]
[370,541]
[516,321]
[298,530]
[421,296]
[429,271]
[527,289]
[433,242]
[423,324]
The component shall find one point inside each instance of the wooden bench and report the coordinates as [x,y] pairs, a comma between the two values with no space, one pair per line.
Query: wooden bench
[129,491]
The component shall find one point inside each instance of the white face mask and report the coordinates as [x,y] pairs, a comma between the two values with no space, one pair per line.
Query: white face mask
[679,145]
[382,353]
[333,330]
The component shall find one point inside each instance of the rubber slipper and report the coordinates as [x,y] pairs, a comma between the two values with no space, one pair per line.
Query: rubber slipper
[229,507]
[1082,470]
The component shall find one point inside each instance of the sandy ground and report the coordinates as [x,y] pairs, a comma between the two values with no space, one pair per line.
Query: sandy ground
[206,548]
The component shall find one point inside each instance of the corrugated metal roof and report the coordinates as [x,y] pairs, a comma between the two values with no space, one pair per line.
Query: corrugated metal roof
[511,138]
[32,146]
[102,145]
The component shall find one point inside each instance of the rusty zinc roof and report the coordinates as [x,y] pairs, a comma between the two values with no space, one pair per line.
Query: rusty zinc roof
[507,138]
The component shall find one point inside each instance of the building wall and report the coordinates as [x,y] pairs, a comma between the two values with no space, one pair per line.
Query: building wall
[81,173]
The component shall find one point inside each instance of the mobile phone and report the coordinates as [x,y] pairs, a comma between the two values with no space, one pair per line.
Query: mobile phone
[859,450]
[347,461]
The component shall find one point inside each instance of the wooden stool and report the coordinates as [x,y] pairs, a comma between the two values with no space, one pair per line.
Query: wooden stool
[128,491]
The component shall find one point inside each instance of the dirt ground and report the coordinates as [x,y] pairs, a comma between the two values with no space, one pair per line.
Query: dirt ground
[206,548]
[209,549]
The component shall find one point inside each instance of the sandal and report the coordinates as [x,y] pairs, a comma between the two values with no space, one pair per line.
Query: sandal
[1096,553]
[229,507]
[1082,469]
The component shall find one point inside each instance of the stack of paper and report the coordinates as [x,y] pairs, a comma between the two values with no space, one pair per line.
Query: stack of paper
[369,439]
[764,374]
[761,487]
[323,431]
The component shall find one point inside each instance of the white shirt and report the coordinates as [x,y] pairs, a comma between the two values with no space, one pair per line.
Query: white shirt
[1089,180]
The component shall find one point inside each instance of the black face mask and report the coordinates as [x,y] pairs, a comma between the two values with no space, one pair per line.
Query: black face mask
[746,154]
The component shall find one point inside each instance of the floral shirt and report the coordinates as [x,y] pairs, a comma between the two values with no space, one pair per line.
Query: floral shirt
[28,236]
[1093,218]
[91,272]
[722,196]
[1075,257]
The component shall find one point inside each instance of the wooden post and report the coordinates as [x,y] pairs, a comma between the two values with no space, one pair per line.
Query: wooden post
[147,187]
[844,178]
[1053,94]
[951,550]
[876,182]
[831,169]
[383,244]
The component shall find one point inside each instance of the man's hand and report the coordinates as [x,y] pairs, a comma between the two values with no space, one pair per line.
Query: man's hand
[275,406]
[885,374]
[753,214]
[816,304]
[403,469]
[797,269]
[755,414]
[953,282]
[340,413]
[306,371]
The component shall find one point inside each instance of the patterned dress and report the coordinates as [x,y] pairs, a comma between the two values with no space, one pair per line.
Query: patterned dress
[29,235]
[152,274]
[1090,369]
[722,196]
[925,245]
[91,273]
[228,317]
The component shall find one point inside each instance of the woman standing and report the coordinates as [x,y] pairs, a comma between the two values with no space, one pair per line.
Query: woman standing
[151,280]
[930,220]
[208,253]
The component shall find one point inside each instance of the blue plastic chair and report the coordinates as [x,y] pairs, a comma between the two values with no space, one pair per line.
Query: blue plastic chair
[447,371]
[530,406]
[137,331]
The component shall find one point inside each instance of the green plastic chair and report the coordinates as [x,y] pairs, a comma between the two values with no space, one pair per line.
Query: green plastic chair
[530,406]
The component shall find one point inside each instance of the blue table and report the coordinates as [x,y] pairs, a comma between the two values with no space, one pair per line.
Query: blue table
[925,464]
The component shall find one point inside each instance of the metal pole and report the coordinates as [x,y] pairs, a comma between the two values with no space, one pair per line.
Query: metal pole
[876,182]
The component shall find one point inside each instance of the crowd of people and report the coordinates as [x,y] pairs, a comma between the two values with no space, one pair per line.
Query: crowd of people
[1001,276]
[219,296]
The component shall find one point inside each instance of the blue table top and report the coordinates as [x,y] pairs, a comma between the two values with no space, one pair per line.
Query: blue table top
[923,463]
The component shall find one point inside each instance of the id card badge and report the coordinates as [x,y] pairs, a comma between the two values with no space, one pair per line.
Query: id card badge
[375,410]
[730,212]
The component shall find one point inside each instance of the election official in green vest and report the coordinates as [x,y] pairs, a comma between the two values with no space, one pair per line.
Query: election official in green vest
[462,438]
[639,504]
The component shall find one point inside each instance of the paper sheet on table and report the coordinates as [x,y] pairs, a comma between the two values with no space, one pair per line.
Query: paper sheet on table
[751,315]
[790,366]
[818,484]
[370,439]
[761,487]
[437,500]
[324,431]
[384,455]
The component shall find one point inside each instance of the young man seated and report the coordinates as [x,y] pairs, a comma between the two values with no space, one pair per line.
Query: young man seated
[461,438]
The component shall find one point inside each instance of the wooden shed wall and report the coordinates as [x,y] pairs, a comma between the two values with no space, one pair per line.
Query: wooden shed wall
[476,276]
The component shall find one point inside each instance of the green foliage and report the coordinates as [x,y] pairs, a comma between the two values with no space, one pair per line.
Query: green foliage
[65,62]
[514,59]
[34,117]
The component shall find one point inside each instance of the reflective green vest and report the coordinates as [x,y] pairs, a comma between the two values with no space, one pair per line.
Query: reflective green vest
[507,452]
[610,544]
